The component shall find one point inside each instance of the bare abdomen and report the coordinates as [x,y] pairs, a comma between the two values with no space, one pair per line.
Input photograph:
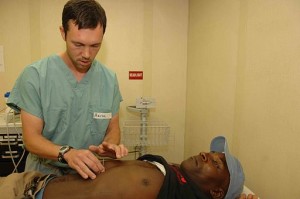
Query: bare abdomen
[124,181]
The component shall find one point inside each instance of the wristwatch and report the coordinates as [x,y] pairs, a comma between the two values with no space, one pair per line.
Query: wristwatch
[62,151]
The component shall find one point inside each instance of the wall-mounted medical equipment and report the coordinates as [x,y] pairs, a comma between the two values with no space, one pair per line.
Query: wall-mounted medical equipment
[144,133]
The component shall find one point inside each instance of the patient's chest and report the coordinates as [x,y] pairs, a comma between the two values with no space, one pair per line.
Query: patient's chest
[133,179]
[121,180]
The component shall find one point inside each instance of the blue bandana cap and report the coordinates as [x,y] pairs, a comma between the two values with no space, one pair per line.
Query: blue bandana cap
[237,177]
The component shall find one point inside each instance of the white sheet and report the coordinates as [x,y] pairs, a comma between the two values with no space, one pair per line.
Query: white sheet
[247,191]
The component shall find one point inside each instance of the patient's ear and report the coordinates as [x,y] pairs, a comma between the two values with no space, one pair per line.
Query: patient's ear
[217,193]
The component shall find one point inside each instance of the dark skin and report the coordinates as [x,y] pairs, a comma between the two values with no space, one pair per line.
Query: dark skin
[209,171]
[121,179]
[138,179]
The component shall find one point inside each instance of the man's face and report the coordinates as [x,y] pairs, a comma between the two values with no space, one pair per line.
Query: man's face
[82,46]
[208,170]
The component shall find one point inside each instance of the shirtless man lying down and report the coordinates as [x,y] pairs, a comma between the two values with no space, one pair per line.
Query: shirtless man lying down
[215,175]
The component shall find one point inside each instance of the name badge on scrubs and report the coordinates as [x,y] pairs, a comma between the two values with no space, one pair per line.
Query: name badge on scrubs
[102,116]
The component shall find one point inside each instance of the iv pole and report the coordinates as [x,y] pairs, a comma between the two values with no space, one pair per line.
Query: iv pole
[143,128]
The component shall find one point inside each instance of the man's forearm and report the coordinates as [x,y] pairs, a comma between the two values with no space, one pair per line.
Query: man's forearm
[113,137]
[42,147]
[113,132]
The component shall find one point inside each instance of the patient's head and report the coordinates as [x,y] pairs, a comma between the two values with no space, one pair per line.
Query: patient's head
[218,173]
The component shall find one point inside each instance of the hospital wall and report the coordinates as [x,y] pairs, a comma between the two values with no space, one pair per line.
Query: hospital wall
[243,81]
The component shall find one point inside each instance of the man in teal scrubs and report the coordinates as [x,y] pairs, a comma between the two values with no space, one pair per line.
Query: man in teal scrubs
[69,102]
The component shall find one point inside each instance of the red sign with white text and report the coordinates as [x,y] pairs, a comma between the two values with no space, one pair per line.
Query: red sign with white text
[136,75]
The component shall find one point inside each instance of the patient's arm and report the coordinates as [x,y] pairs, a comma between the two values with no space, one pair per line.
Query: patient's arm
[249,196]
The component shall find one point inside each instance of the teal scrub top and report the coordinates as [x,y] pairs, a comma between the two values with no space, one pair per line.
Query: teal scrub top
[74,113]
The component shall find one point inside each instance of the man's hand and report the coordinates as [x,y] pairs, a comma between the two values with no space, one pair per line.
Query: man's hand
[84,162]
[249,196]
[110,150]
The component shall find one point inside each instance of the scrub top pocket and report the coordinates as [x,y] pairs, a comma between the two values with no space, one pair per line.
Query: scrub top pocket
[100,118]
